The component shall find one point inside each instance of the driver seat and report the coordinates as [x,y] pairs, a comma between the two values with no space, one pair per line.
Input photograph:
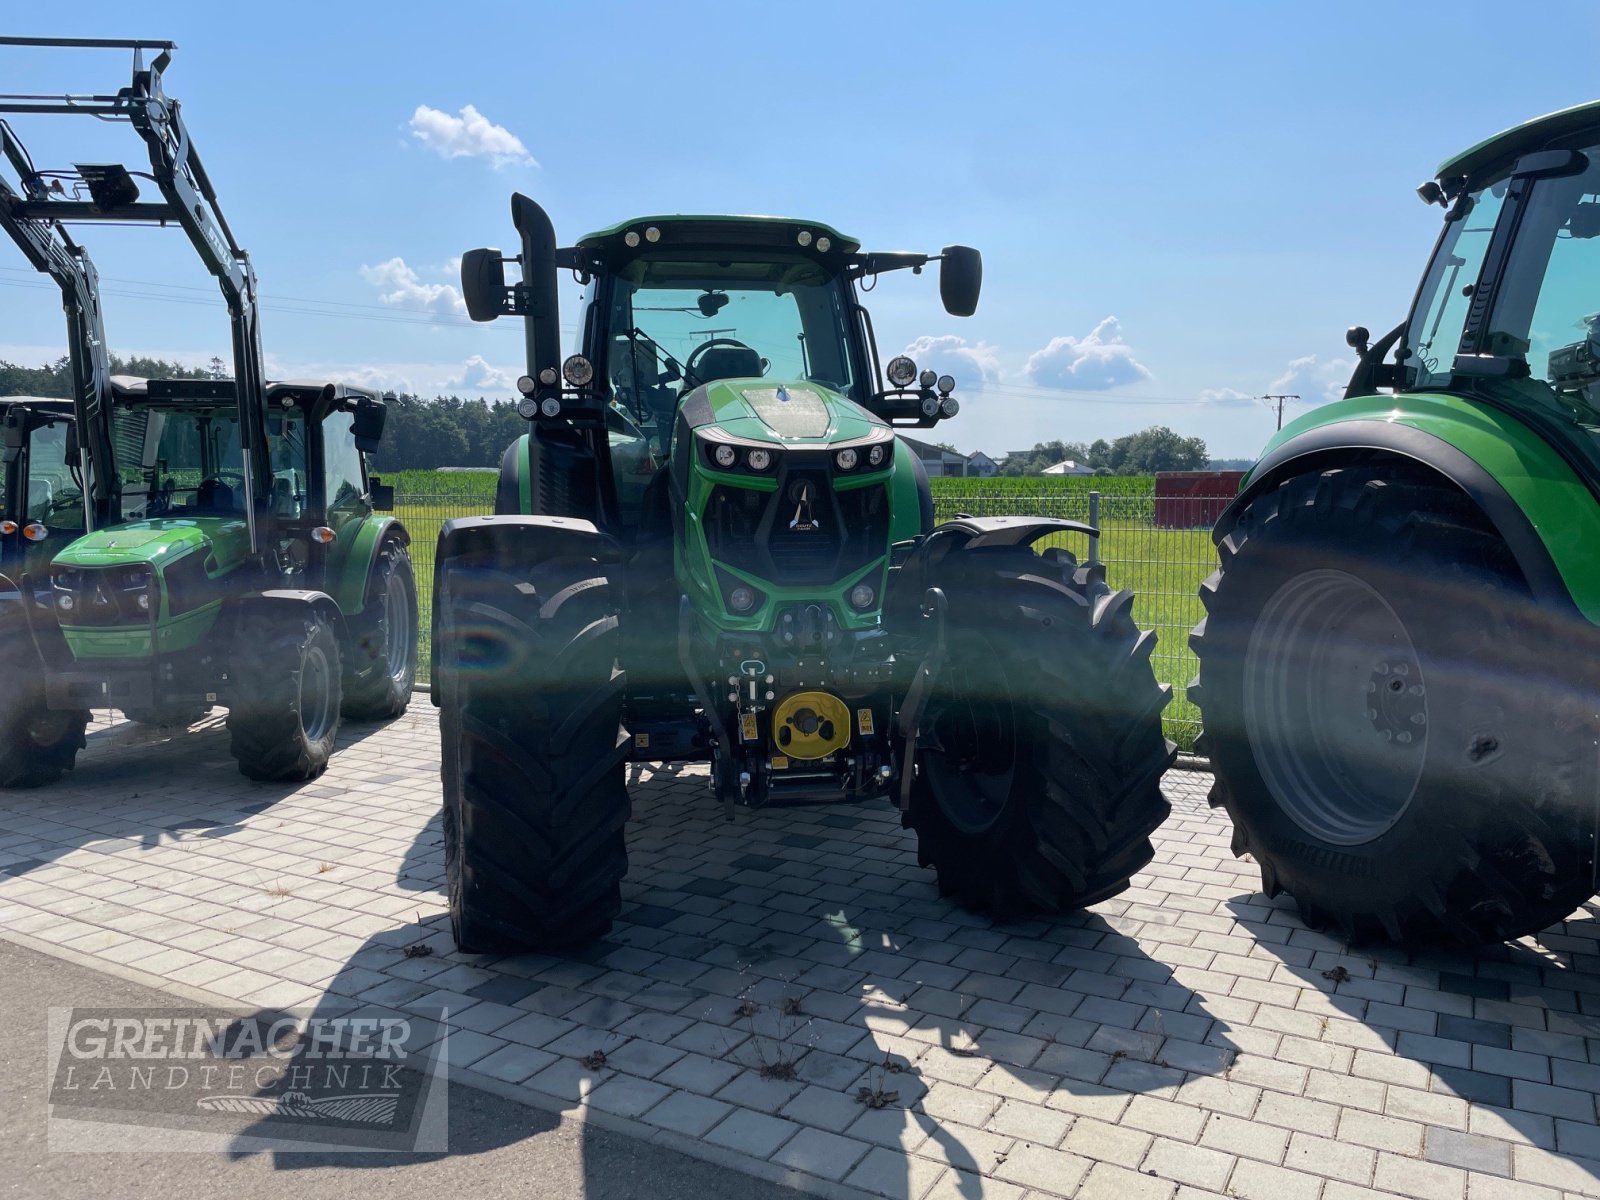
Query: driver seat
[728,362]
[214,495]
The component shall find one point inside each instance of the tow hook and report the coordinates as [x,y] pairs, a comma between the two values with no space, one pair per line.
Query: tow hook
[934,607]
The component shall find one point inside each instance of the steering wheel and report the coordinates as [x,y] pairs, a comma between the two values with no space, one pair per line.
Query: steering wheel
[691,376]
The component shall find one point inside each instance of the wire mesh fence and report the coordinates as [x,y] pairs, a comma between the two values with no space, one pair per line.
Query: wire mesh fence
[1160,549]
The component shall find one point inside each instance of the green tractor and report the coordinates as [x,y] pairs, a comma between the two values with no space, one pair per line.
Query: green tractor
[711,546]
[1397,659]
[230,549]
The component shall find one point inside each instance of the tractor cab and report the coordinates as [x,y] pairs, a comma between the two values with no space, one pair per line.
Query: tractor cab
[1508,312]
[42,500]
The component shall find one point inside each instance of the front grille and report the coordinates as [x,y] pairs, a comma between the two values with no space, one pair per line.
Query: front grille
[801,534]
[101,596]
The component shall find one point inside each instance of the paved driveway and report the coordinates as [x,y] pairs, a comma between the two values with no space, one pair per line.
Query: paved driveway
[788,994]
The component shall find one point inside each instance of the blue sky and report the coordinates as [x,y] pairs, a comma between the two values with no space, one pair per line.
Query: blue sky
[1179,206]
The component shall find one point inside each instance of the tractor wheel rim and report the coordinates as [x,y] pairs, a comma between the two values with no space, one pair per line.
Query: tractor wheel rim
[968,738]
[316,695]
[397,631]
[1336,707]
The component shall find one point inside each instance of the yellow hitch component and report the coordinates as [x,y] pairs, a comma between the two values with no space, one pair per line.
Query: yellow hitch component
[811,725]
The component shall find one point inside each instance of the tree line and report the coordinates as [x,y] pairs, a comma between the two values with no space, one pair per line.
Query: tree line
[1143,453]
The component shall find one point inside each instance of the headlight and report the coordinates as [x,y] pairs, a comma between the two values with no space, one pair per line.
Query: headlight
[550,406]
[928,378]
[901,371]
[578,371]
[65,602]
[949,406]
[846,459]
[876,455]
[726,456]
[759,460]
[144,602]
[742,599]
[930,406]
[862,596]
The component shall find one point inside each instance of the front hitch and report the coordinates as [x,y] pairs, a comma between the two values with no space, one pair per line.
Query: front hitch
[934,608]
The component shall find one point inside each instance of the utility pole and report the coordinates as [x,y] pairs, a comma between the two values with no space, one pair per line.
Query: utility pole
[1277,402]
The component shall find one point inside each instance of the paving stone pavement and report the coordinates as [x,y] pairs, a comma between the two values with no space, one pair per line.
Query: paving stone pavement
[789,992]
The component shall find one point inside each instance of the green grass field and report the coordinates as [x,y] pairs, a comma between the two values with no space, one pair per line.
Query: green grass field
[1163,567]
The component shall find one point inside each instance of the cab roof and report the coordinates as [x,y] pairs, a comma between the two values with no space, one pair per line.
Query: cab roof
[1538,134]
[685,231]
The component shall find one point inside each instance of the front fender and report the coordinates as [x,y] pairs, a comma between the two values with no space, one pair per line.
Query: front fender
[1547,516]
[351,563]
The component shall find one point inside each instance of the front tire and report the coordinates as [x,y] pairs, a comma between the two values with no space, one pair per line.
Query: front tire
[285,691]
[37,745]
[382,666]
[1404,739]
[532,751]
[1040,754]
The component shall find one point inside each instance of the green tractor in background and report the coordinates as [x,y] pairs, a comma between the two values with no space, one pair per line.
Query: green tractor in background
[229,547]
[1397,662]
[711,546]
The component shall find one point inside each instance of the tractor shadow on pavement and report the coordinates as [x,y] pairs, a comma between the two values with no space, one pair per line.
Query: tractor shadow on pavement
[791,986]
[149,785]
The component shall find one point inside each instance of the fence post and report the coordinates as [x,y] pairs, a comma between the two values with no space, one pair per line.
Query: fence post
[1094,519]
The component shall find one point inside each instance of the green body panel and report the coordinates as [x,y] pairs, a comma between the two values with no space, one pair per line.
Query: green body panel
[1558,504]
[158,543]
[350,561]
[160,540]
[133,641]
[612,232]
[905,497]
[841,420]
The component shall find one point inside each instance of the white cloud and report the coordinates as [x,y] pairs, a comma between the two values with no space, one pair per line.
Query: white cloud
[399,285]
[1313,381]
[1226,398]
[1095,363]
[479,377]
[971,364]
[470,135]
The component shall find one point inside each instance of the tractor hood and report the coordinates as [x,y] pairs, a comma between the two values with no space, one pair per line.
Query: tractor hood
[788,412]
[160,540]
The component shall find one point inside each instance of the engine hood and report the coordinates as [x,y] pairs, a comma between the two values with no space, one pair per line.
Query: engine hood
[161,540]
[788,412]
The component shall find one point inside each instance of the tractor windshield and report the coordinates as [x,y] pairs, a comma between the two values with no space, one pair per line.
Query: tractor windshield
[673,325]
[179,460]
[1441,310]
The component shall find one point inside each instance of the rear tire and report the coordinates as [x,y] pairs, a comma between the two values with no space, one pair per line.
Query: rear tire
[285,692]
[37,746]
[532,751]
[1404,739]
[1040,754]
[382,666]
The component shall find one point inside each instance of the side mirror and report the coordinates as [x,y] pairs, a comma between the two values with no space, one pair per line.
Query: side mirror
[366,424]
[960,280]
[483,284]
[14,430]
[382,495]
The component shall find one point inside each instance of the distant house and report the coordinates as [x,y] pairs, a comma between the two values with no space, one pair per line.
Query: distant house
[1068,467]
[935,459]
[981,465]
